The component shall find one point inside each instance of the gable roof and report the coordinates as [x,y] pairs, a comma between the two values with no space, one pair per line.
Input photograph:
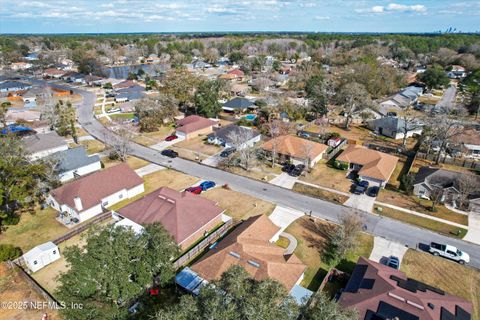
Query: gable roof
[237,72]
[395,124]
[239,103]
[295,147]
[375,164]
[72,159]
[249,246]
[193,123]
[46,141]
[91,189]
[431,176]
[181,213]
[225,132]
[375,288]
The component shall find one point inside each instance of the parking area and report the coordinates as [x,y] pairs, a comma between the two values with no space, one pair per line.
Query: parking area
[284,180]
[361,202]
[383,249]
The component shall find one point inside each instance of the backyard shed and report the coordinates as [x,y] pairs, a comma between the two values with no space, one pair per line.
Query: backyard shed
[41,256]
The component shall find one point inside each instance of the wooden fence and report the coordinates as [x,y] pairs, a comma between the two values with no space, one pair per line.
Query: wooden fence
[34,284]
[459,162]
[211,238]
[101,217]
[334,151]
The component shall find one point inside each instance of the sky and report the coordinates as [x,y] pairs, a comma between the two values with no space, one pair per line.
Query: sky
[106,16]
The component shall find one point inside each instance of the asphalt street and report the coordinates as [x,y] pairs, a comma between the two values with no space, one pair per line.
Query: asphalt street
[390,229]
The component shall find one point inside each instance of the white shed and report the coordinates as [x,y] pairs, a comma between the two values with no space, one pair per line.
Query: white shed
[41,255]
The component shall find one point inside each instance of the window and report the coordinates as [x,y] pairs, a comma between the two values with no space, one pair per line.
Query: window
[54,251]
[451,252]
[105,204]
[120,196]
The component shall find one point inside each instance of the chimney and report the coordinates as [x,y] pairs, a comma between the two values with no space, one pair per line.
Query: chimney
[78,203]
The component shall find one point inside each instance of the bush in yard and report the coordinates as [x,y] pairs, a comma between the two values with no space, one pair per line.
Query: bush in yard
[9,252]
[406,183]
[340,165]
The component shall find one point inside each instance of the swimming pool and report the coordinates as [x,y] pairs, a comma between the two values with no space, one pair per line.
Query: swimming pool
[250,117]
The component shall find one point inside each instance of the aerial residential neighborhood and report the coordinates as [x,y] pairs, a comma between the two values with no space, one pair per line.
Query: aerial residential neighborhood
[231,160]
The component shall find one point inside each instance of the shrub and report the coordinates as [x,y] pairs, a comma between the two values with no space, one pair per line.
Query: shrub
[340,165]
[113,155]
[9,252]
[11,220]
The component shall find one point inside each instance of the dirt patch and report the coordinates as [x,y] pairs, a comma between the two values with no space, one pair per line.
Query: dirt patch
[15,288]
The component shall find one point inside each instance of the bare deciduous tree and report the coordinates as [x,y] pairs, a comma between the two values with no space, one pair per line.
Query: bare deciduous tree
[247,155]
[467,184]
[120,142]
[276,128]
[352,97]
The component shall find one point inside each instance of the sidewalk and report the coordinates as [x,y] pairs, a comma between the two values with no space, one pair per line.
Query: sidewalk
[422,215]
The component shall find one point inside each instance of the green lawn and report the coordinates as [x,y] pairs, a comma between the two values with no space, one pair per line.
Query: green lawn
[426,223]
[311,244]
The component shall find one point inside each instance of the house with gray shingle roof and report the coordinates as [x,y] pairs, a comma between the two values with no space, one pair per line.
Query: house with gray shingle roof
[73,163]
[394,127]
[43,145]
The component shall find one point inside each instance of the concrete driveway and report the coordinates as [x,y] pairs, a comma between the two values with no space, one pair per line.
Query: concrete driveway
[284,180]
[165,144]
[214,160]
[473,234]
[149,168]
[361,202]
[282,217]
[383,249]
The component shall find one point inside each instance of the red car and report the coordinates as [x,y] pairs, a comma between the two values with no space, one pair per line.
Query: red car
[171,138]
[194,190]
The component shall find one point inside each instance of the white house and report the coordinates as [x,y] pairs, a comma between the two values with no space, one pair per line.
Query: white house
[43,145]
[82,199]
[244,137]
[73,163]
[41,256]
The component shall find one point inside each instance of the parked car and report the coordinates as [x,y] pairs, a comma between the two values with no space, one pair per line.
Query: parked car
[288,167]
[449,252]
[297,171]
[169,153]
[171,137]
[360,187]
[228,151]
[205,185]
[194,190]
[304,134]
[393,262]
[373,191]
[114,110]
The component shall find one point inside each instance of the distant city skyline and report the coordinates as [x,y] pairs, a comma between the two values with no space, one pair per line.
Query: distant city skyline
[116,16]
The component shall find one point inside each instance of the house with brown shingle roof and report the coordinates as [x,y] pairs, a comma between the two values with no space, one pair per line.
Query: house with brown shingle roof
[186,216]
[296,149]
[88,196]
[379,292]
[193,126]
[249,246]
[373,166]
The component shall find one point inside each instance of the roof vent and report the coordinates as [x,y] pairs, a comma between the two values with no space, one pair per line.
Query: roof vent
[396,297]
[234,254]
[431,305]
[253,263]
[171,200]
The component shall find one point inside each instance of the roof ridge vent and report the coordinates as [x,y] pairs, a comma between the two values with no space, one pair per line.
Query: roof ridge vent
[393,295]
[416,305]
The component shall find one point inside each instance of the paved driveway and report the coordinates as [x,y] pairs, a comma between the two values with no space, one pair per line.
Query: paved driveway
[383,248]
[473,234]
[284,180]
[149,168]
[361,202]
[283,217]
[213,161]
[165,144]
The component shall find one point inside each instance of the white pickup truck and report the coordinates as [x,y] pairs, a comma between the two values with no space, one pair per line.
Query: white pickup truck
[449,252]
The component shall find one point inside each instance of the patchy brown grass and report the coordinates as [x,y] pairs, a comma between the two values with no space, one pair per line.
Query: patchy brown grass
[319,193]
[420,205]
[92,146]
[15,288]
[326,176]
[312,240]
[239,205]
[34,229]
[199,146]
[444,274]
[133,162]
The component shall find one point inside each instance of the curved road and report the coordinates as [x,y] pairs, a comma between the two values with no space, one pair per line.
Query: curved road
[379,226]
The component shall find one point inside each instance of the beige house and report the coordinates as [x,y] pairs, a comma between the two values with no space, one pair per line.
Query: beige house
[194,126]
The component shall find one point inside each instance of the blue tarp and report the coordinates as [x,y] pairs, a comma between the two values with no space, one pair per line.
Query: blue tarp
[16,129]
[300,294]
